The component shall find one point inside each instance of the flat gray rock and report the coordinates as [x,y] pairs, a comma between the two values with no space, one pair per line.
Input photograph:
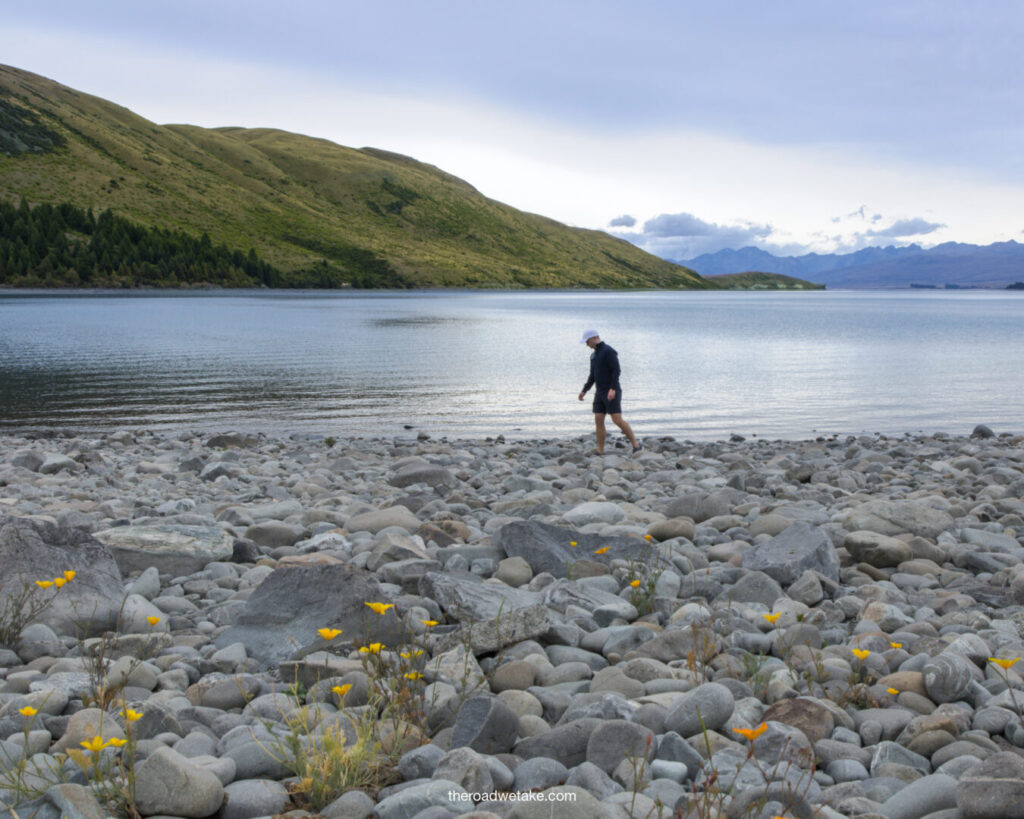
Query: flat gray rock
[549,548]
[173,549]
[788,555]
[285,612]
[466,597]
[994,789]
[37,548]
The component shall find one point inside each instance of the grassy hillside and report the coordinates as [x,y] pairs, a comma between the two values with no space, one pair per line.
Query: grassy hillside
[761,281]
[371,216]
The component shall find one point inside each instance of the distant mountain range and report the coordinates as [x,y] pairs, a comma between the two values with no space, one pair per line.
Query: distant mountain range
[947,265]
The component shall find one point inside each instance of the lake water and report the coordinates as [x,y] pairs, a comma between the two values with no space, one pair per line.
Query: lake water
[472,364]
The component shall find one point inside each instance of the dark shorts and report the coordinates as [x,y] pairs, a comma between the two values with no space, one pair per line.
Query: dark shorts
[603,405]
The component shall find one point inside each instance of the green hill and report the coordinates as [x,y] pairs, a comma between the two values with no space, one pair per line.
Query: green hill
[761,281]
[307,207]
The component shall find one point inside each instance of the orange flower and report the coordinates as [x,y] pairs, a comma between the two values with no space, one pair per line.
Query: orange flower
[635,583]
[573,543]
[752,733]
[860,653]
[771,618]
[28,711]
[44,584]
[59,581]
[328,633]
[1004,664]
[69,574]
[648,538]
[380,608]
[342,690]
[893,691]
[602,550]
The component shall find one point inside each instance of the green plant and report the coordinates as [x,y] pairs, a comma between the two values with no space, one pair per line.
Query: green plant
[21,607]
[326,763]
[719,791]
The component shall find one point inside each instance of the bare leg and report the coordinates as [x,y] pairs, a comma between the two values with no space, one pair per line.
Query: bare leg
[626,429]
[599,428]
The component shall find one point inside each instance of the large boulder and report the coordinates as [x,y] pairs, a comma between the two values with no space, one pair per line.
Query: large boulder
[281,618]
[702,506]
[994,789]
[39,548]
[549,548]
[896,517]
[174,549]
[467,597]
[787,556]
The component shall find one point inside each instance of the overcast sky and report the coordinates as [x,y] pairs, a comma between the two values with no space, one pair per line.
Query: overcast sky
[684,126]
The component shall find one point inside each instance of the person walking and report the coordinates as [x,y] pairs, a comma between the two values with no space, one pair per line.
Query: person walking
[604,373]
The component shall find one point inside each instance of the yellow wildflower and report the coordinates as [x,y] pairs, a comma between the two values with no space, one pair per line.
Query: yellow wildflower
[635,583]
[372,648]
[648,538]
[96,744]
[69,574]
[573,543]
[328,633]
[44,584]
[59,581]
[1003,664]
[380,608]
[130,715]
[602,550]
[413,675]
[860,653]
[115,742]
[896,645]
[342,690]
[771,618]
[429,623]
[752,733]
[28,711]
[893,691]
[408,655]
[152,619]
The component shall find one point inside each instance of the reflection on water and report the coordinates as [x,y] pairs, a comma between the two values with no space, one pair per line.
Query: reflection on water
[695,365]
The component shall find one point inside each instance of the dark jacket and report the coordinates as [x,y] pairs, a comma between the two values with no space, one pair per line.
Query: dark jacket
[604,369]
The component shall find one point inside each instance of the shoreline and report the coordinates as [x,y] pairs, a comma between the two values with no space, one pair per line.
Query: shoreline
[617,628]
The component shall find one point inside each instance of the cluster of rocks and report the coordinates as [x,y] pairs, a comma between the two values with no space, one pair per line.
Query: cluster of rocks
[604,625]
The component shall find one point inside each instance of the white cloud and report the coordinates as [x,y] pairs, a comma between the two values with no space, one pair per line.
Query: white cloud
[684,236]
[575,175]
[622,221]
[907,227]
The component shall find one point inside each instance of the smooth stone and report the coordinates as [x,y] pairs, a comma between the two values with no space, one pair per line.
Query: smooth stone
[617,740]
[538,774]
[788,555]
[167,783]
[994,789]
[407,803]
[174,549]
[250,798]
[707,707]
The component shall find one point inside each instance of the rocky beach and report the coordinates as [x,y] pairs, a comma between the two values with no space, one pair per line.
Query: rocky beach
[744,628]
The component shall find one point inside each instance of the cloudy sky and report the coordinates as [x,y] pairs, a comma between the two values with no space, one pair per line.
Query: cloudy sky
[685,126]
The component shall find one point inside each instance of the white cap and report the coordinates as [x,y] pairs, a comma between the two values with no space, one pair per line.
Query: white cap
[588,334]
